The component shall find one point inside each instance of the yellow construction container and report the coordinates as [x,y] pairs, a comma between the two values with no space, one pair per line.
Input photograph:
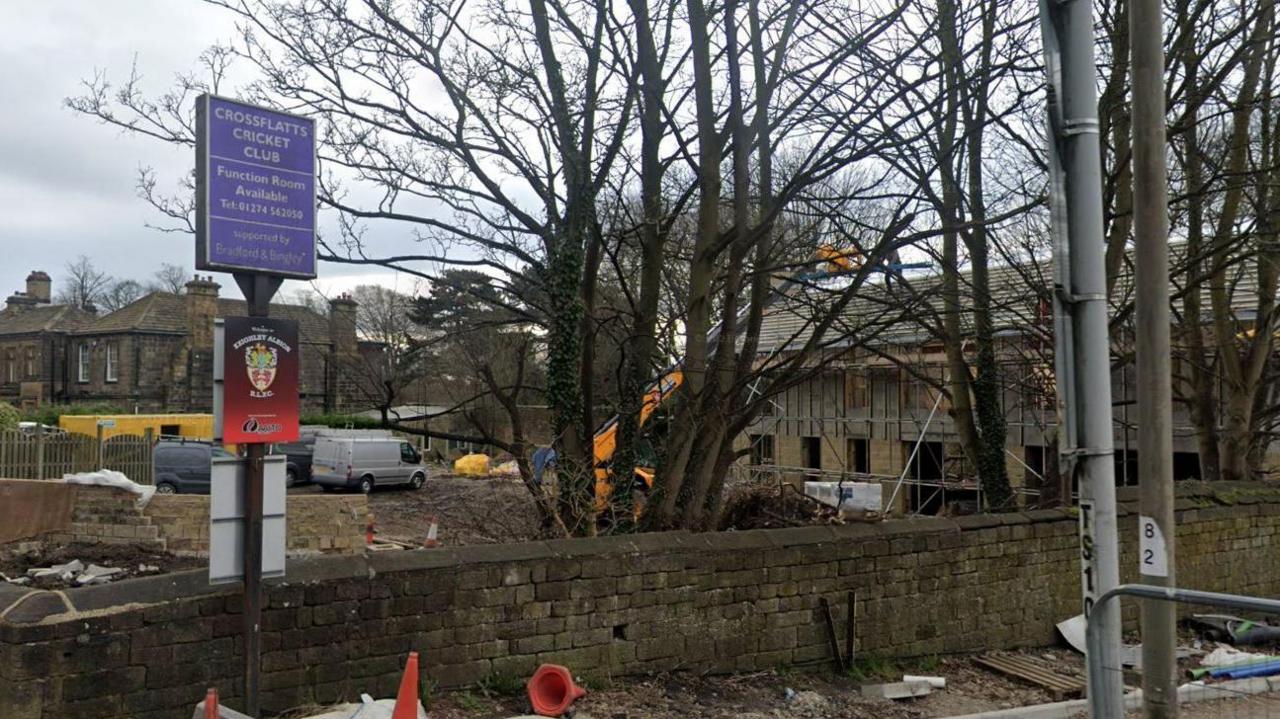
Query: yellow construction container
[190,426]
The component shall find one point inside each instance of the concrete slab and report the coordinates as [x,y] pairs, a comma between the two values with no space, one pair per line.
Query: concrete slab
[897,690]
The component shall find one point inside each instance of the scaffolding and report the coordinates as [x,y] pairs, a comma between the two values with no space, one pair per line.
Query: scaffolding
[928,492]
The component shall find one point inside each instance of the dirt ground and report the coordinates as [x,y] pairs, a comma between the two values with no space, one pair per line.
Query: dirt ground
[493,510]
[1262,706]
[467,511]
[814,694]
[134,560]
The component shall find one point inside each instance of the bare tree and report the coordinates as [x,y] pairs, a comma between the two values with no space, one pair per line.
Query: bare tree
[311,299]
[121,293]
[171,278]
[85,285]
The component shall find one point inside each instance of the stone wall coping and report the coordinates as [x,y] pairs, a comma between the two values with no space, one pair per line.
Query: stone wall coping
[22,606]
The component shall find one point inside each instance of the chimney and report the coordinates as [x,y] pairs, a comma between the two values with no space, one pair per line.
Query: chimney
[202,307]
[342,325]
[39,286]
[19,301]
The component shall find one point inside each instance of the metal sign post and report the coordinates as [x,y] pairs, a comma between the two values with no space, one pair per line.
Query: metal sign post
[258,290]
[255,218]
[1082,350]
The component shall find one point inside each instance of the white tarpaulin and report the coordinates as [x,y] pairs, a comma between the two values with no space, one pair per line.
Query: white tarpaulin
[112,478]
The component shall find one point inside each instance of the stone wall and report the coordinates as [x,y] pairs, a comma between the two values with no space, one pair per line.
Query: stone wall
[316,524]
[104,515]
[87,514]
[740,601]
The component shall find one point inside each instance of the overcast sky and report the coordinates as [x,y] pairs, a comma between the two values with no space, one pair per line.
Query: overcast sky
[67,182]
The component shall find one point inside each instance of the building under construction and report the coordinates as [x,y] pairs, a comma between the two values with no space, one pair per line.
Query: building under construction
[876,401]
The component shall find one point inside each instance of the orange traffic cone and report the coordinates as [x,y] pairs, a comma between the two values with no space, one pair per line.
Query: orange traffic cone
[433,531]
[211,704]
[407,697]
[368,529]
[551,690]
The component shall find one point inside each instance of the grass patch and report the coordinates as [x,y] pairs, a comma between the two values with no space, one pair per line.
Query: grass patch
[469,702]
[499,685]
[869,665]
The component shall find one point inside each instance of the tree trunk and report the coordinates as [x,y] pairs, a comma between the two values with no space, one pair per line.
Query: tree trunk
[1241,375]
[667,492]
[641,344]
[1117,123]
[1202,405]
[958,380]
[565,260]
[993,473]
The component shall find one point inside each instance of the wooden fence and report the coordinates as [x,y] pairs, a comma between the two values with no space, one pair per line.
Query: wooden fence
[51,455]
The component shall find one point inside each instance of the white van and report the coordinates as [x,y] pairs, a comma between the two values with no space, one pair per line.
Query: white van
[363,463]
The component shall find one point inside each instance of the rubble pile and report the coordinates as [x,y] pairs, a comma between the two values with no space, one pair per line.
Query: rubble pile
[77,574]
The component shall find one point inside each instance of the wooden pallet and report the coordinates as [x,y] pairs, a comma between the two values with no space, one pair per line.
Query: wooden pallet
[1036,673]
[382,544]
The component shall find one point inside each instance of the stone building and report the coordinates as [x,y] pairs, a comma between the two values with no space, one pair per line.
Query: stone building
[156,353]
[872,402]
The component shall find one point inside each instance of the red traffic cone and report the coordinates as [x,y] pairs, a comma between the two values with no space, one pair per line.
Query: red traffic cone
[433,532]
[407,697]
[368,530]
[211,704]
[552,691]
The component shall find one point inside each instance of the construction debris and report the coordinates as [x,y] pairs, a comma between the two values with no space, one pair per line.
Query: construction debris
[1073,631]
[897,690]
[1226,655]
[935,682]
[65,572]
[112,478]
[1035,672]
[368,708]
[1238,631]
[223,712]
[97,575]
[74,572]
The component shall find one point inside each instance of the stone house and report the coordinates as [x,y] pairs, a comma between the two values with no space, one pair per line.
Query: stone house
[156,353]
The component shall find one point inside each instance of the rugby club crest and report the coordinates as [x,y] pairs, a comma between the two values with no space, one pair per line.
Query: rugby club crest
[260,380]
[261,362]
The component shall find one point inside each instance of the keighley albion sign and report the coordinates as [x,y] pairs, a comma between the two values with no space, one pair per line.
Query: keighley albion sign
[260,380]
[255,189]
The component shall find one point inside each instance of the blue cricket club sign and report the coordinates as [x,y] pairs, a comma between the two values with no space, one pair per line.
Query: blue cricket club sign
[255,189]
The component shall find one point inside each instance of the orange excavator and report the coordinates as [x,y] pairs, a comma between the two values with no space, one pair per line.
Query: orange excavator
[831,261]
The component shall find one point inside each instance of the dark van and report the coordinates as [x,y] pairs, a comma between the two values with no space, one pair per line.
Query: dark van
[185,467]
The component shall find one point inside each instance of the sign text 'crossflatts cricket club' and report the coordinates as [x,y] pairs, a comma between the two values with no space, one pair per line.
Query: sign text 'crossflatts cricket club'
[260,385]
[255,189]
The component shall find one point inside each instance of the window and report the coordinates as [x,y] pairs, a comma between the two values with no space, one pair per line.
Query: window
[916,394]
[855,390]
[408,454]
[31,363]
[859,459]
[761,449]
[82,373]
[11,366]
[113,360]
[170,430]
[812,452]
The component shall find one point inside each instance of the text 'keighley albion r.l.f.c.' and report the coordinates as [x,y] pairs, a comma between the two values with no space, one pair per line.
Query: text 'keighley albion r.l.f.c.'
[256,191]
[260,381]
